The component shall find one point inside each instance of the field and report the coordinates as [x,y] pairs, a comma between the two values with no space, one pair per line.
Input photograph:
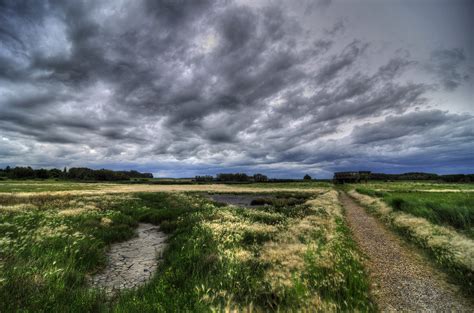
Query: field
[453,209]
[15,186]
[294,253]
[291,254]
[409,186]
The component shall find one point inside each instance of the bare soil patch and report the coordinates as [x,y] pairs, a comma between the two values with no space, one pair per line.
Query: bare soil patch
[402,278]
[133,262]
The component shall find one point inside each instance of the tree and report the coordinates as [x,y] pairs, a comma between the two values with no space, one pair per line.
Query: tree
[307,177]
[205,178]
[228,177]
[260,178]
[42,173]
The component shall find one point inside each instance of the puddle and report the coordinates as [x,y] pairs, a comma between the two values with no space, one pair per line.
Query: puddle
[242,200]
[133,262]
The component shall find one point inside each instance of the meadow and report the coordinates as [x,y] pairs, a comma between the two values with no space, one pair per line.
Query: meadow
[15,186]
[292,251]
[452,209]
[295,253]
[417,186]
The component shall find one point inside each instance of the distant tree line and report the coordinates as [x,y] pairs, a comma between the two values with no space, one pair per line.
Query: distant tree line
[458,178]
[405,176]
[205,178]
[232,177]
[242,177]
[74,173]
[455,178]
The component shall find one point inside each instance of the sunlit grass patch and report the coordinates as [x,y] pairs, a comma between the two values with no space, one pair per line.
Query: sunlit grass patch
[454,209]
[15,186]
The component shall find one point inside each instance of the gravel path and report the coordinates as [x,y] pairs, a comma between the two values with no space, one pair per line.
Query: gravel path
[133,262]
[402,278]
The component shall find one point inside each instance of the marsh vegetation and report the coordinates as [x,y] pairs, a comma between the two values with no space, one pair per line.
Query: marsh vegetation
[290,250]
[295,252]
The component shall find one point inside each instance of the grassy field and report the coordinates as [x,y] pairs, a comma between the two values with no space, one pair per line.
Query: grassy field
[295,253]
[454,209]
[14,186]
[289,255]
[411,186]
[52,187]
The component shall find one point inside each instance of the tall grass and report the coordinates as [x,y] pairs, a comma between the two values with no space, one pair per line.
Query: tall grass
[454,209]
[283,257]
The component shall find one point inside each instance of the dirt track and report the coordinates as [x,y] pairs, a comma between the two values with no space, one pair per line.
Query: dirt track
[402,278]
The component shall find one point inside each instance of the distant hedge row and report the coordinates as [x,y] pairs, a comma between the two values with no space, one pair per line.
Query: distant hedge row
[454,178]
[232,177]
[74,173]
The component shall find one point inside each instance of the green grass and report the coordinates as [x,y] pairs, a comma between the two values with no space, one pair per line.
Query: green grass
[411,186]
[14,186]
[217,257]
[454,209]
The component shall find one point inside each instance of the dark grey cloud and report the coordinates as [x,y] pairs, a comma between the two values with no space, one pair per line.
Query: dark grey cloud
[213,85]
[448,65]
[337,28]
[413,123]
[340,62]
[323,3]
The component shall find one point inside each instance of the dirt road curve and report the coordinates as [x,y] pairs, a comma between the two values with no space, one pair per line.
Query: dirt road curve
[402,279]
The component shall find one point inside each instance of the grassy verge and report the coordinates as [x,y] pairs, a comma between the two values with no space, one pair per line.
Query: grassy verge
[278,257]
[450,249]
[454,209]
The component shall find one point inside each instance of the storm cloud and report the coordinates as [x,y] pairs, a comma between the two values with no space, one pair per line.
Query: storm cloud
[181,88]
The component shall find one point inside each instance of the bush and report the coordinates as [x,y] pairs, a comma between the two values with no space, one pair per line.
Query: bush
[398,204]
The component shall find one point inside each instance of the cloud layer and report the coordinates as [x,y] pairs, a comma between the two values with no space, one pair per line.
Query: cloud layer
[194,87]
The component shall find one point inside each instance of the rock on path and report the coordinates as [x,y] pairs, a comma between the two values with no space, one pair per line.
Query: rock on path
[402,279]
[133,262]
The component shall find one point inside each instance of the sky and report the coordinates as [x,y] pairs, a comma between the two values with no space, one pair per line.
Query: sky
[284,88]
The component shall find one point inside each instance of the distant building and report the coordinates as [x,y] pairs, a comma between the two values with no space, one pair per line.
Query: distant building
[351,177]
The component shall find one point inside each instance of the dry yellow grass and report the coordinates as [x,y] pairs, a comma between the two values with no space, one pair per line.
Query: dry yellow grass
[118,188]
[287,252]
[17,207]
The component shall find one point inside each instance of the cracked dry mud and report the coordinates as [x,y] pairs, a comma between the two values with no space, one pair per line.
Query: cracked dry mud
[133,262]
[402,278]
